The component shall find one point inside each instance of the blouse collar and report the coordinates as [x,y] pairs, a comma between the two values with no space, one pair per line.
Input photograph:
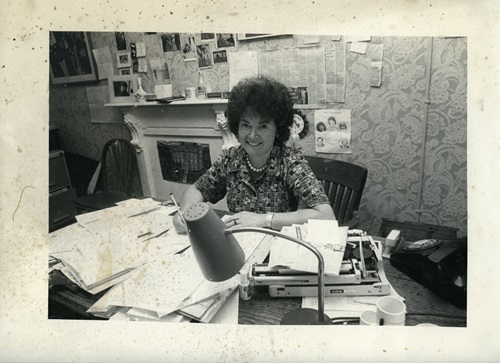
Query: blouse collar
[273,165]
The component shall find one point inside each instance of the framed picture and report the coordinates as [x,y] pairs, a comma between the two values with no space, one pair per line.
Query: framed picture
[122,89]
[71,58]
[249,36]
[123,59]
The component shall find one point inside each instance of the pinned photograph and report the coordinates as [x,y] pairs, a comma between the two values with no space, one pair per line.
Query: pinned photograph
[124,60]
[141,49]
[220,56]
[207,37]
[225,40]
[204,56]
[299,95]
[121,43]
[122,88]
[171,42]
[188,44]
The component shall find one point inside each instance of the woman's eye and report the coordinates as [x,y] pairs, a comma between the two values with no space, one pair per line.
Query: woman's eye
[263,127]
[244,126]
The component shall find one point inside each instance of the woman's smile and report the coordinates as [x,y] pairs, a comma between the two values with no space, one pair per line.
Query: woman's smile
[253,143]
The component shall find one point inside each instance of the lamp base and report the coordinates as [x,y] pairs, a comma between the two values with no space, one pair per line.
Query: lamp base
[304,316]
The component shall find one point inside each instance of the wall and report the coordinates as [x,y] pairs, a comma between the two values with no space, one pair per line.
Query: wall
[410,132]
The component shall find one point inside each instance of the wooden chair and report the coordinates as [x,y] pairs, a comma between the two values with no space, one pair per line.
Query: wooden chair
[118,175]
[343,183]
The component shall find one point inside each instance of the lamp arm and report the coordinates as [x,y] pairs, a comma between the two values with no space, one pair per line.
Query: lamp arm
[321,262]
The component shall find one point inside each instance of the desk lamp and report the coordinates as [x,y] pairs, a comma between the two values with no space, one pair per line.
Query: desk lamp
[220,257]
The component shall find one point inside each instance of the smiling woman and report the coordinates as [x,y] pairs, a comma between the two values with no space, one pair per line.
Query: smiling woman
[266,183]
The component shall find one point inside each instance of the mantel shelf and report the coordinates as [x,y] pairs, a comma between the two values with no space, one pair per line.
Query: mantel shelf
[209,101]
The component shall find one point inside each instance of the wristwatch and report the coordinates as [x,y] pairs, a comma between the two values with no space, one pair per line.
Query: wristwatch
[269,219]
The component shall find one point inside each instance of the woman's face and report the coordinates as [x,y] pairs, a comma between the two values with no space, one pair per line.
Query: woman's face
[256,135]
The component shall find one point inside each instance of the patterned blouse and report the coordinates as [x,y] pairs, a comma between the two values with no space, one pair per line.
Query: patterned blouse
[288,183]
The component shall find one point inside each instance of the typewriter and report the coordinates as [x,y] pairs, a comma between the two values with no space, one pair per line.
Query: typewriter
[361,273]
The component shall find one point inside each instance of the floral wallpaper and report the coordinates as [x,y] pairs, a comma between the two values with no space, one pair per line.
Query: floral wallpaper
[410,133]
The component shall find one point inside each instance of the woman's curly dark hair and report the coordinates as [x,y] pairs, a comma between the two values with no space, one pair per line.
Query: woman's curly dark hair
[265,97]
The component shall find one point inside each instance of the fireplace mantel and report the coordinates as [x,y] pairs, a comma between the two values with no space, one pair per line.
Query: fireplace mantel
[198,121]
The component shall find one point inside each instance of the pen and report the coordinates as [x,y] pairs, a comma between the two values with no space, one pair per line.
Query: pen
[177,206]
[175,202]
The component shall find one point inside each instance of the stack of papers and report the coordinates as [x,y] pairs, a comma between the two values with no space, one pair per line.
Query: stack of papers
[325,235]
[105,246]
[175,285]
[153,274]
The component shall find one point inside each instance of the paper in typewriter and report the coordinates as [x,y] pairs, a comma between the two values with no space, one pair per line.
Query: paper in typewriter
[325,235]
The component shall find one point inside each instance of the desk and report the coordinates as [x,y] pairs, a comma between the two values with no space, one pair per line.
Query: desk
[68,301]
[423,305]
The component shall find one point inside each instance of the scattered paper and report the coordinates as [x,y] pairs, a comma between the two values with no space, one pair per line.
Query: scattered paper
[104,62]
[152,271]
[97,97]
[358,47]
[326,236]
[311,39]
[298,67]
[143,65]
[364,38]
[335,66]
[243,64]
[140,49]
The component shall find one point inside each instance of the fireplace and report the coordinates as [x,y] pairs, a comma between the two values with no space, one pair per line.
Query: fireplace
[176,142]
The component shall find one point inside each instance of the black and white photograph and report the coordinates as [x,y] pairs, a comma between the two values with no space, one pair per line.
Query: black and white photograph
[123,88]
[277,182]
[121,42]
[125,71]
[225,40]
[124,59]
[188,43]
[204,55]
[171,42]
[207,37]
[220,56]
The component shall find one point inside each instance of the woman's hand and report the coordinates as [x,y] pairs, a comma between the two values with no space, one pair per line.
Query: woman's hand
[246,219]
[179,224]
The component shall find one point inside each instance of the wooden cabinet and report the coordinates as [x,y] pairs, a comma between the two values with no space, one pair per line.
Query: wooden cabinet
[61,194]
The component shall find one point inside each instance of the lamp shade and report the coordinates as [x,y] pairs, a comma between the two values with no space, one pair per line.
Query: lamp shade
[219,255]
